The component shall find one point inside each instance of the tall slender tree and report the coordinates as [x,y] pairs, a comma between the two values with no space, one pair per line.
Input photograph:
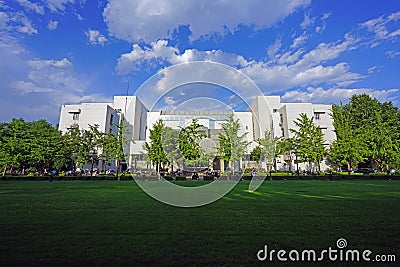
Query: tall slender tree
[232,144]
[154,150]
[268,149]
[308,141]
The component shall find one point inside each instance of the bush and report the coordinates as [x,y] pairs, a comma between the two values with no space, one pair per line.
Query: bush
[168,177]
[208,177]
[180,178]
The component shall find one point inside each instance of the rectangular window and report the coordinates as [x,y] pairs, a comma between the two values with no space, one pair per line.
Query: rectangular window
[75,116]
[111,119]
[316,116]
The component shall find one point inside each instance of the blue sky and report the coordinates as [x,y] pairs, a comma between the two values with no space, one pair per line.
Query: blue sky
[65,51]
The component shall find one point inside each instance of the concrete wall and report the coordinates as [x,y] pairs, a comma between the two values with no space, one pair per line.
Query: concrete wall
[264,113]
[88,113]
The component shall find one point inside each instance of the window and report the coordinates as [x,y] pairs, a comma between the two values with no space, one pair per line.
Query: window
[111,119]
[247,127]
[275,110]
[75,116]
[316,116]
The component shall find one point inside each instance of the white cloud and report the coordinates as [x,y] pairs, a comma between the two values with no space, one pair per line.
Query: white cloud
[95,37]
[15,21]
[3,19]
[337,95]
[160,52]
[392,53]
[372,69]
[25,25]
[382,28]
[47,76]
[46,85]
[307,21]
[52,25]
[299,41]
[326,15]
[151,20]
[31,6]
[322,27]
[273,49]
[58,5]
[284,71]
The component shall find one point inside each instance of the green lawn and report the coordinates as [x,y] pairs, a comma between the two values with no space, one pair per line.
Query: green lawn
[115,223]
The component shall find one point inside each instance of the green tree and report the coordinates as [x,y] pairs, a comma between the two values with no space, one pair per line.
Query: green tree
[35,145]
[309,142]
[232,145]
[170,141]
[268,149]
[286,148]
[255,154]
[154,149]
[348,148]
[189,141]
[116,145]
[73,140]
[373,129]
[46,146]
[14,146]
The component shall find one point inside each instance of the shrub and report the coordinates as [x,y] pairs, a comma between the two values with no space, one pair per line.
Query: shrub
[208,177]
[180,178]
[168,177]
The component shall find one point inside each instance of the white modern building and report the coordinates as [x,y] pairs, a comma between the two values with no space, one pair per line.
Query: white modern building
[264,113]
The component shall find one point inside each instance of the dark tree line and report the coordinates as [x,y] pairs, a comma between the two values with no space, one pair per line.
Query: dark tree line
[368,133]
[39,147]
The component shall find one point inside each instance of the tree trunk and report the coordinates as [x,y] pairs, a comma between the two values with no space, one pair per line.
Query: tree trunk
[118,163]
[348,167]
[91,168]
[104,165]
[5,170]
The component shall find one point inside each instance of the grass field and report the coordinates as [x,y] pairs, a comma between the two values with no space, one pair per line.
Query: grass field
[115,223]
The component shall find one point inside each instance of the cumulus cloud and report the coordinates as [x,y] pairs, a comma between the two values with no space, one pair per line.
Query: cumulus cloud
[160,52]
[337,95]
[287,70]
[151,20]
[95,37]
[37,86]
[47,76]
[52,25]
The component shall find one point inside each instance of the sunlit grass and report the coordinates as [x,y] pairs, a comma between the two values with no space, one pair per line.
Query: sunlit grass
[116,223]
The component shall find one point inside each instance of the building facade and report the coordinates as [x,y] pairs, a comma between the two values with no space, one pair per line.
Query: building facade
[264,113]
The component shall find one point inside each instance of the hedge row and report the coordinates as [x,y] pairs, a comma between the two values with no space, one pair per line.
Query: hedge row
[326,177]
[205,178]
[72,178]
